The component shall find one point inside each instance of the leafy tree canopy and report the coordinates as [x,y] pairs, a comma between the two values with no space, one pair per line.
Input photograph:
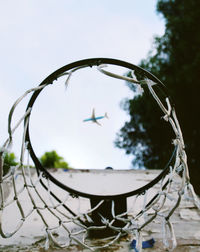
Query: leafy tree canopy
[52,160]
[175,60]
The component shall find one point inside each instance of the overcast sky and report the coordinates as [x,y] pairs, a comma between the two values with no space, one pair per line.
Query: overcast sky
[38,37]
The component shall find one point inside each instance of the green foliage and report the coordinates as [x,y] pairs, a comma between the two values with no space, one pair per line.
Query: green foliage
[53,160]
[175,60]
[9,160]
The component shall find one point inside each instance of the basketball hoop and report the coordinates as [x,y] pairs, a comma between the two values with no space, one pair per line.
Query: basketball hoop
[107,214]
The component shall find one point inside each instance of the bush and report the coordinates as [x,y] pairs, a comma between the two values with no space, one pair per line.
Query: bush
[53,160]
[9,160]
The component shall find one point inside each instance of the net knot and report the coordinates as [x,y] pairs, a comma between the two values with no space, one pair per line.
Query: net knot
[166,117]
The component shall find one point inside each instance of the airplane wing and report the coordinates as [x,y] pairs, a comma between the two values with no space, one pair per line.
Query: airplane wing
[93,114]
[95,121]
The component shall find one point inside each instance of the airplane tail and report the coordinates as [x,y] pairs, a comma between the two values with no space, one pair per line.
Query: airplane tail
[106,115]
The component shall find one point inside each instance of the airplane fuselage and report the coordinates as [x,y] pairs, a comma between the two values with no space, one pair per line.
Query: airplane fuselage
[94,119]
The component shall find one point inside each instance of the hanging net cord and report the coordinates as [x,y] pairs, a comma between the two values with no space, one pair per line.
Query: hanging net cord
[54,207]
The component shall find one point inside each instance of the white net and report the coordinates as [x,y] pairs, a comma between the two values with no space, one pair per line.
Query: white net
[71,219]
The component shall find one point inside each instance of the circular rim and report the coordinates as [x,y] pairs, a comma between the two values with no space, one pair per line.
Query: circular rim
[49,80]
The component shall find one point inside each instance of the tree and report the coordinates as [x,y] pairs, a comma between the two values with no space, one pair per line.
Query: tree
[53,160]
[9,160]
[175,60]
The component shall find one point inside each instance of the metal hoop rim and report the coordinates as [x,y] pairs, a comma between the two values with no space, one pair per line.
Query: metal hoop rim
[49,80]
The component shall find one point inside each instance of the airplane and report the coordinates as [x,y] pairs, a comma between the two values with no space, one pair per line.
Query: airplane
[95,119]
